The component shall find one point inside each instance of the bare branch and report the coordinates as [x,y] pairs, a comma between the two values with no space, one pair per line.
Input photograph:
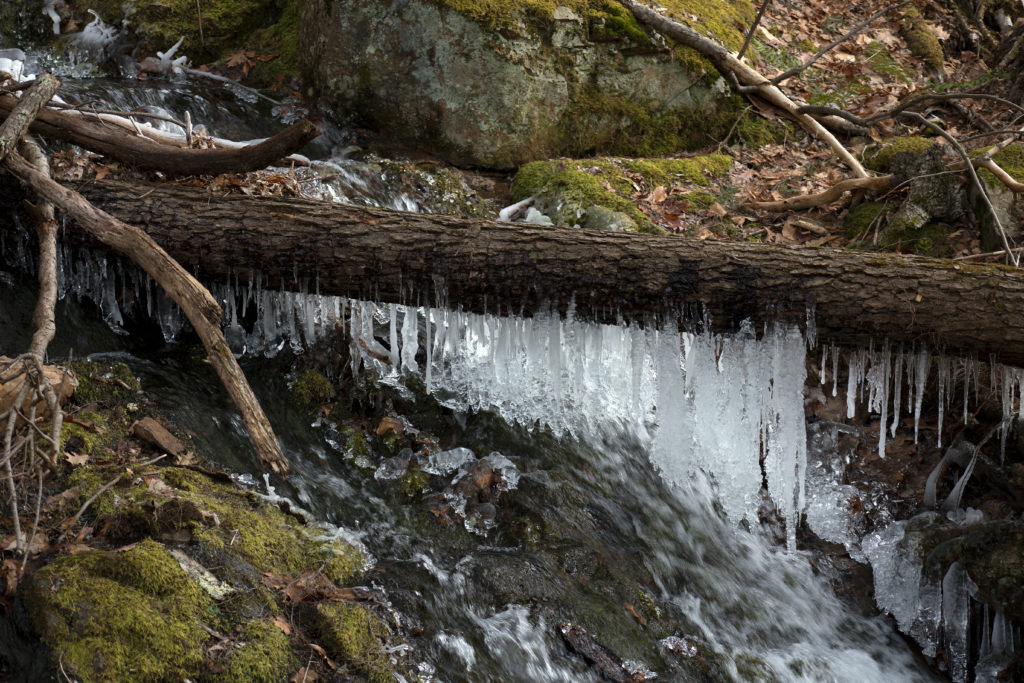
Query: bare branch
[753,27]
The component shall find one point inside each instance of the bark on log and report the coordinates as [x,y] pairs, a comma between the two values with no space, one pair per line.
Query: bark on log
[490,266]
[115,142]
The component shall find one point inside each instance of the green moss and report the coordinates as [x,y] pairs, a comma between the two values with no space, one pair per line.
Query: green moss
[227,25]
[311,389]
[611,21]
[722,20]
[413,483]
[104,384]
[265,657]
[701,200]
[919,38]
[119,616]
[693,170]
[263,534]
[880,157]
[355,637]
[862,217]
[89,441]
[570,187]
[1010,159]
[928,240]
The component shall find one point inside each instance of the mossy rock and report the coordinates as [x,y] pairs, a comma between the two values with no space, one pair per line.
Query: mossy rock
[880,157]
[567,189]
[266,656]
[862,217]
[356,637]
[499,84]
[931,239]
[920,39]
[120,616]
[311,389]
[264,535]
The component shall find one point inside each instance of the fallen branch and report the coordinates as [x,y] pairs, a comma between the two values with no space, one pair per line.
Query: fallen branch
[195,301]
[104,137]
[727,63]
[832,194]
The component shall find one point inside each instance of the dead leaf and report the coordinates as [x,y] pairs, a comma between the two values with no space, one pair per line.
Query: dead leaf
[658,195]
[76,459]
[283,624]
[636,615]
[717,210]
[58,501]
[390,424]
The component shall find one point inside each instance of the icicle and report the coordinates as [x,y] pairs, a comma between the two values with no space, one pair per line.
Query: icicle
[855,375]
[884,398]
[920,377]
[942,370]
[429,336]
[955,496]
[393,351]
[835,370]
[410,340]
[955,610]
[811,327]
[967,365]
[897,387]
[824,360]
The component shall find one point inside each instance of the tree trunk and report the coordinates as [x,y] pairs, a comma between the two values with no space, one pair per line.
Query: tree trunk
[491,266]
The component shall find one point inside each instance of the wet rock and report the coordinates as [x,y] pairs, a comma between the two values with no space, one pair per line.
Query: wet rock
[585,645]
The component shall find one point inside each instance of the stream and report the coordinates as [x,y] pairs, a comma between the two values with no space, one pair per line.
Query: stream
[632,493]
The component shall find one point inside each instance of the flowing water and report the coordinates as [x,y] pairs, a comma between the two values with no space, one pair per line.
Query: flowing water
[635,483]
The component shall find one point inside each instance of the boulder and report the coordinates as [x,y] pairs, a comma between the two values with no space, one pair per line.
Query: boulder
[497,86]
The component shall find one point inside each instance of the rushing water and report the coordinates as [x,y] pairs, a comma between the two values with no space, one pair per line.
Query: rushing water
[634,455]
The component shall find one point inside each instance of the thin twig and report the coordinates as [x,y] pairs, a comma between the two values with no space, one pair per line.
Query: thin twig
[753,27]
[85,506]
[1001,252]
[821,53]
[35,525]
[825,110]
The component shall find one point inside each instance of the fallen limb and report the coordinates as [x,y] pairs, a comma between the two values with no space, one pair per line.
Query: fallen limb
[832,194]
[195,301]
[111,140]
[387,255]
[727,63]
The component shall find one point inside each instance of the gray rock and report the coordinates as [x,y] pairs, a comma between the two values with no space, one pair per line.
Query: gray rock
[433,78]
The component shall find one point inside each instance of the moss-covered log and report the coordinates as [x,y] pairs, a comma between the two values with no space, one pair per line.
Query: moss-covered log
[487,265]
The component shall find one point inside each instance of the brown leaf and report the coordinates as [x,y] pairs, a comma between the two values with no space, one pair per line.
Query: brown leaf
[658,195]
[237,58]
[283,624]
[390,424]
[717,210]
[636,615]
[76,459]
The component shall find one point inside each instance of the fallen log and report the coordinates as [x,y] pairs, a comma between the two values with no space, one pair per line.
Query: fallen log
[104,137]
[492,266]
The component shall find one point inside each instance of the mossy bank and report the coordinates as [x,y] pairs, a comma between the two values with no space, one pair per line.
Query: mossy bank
[500,84]
[173,572]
